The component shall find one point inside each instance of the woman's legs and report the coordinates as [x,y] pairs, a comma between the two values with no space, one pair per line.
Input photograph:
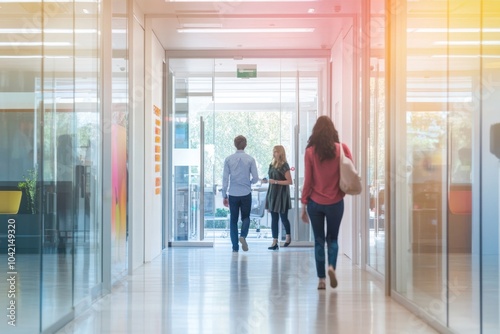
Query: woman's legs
[274,224]
[274,230]
[286,224]
[317,217]
[334,215]
[285,221]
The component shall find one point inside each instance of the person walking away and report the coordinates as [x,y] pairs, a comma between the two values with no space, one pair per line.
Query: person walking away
[278,200]
[321,196]
[240,172]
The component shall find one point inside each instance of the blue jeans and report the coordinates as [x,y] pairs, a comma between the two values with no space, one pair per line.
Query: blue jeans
[274,222]
[333,214]
[239,204]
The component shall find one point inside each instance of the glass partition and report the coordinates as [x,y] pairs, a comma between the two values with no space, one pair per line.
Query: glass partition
[376,140]
[49,106]
[486,173]
[421,150]
[119,141]
[438,94]
[20,171]
[463,105]
[275,107]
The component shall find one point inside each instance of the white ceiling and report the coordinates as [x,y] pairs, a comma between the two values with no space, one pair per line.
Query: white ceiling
[222,51]
[326,20]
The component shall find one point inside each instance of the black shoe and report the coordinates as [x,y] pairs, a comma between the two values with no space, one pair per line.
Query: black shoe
[275,247]
[286,244]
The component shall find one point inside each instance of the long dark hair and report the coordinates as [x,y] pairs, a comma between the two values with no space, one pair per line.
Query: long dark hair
[323,138]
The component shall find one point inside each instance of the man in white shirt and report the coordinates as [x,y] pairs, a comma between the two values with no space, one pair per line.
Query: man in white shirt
[240,172]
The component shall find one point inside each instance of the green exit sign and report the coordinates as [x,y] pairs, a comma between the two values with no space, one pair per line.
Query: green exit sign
[246,71]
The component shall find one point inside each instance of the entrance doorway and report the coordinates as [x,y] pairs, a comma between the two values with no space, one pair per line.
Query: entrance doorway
[276,102]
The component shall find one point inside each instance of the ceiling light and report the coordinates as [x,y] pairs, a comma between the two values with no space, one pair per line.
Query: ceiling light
[452,30]
[311,10]
[46,31]
[245,30]
[465,56]
[468,43]
[202,25]
[34,57]
[34,43]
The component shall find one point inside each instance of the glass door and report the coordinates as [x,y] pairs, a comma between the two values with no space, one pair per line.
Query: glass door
[212,105]
[193,104]
[308,93]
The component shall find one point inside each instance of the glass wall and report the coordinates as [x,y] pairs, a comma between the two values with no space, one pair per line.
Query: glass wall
[273,108]
[376,140]
[119,140]
[486,174]
[50,226]
[445,197]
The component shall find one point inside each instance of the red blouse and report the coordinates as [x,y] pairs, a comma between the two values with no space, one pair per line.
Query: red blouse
[321,179]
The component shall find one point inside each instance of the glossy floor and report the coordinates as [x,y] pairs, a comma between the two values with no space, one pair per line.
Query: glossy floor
[212,290]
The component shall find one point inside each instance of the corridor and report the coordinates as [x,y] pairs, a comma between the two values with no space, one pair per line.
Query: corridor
[212,290]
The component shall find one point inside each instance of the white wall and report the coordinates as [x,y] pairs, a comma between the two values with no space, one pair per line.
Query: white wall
[145,206]
[155,56]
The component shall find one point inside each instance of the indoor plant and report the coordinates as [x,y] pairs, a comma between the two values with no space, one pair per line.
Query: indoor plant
[29,187]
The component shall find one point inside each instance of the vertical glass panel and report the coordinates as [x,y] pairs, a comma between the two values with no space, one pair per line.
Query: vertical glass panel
[311,86]
[376,143]
[60,158]
[488,170]
[421,141]
[463,103]
[190,103]
[48,116]
[20,170]
[87,222]
[438,137]
[119,141]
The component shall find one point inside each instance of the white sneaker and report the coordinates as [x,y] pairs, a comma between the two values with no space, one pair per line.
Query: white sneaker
[244,244]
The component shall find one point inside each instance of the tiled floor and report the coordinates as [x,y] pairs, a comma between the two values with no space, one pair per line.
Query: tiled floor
[212,290]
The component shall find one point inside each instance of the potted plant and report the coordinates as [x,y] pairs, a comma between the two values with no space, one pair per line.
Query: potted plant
[29,187]
[28,224]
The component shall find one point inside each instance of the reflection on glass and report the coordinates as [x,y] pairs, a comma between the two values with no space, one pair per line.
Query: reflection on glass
[439,104]
[489,168]
[51,112]
[57,89]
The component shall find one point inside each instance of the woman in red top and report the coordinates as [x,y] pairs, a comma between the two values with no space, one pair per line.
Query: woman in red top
[321,195]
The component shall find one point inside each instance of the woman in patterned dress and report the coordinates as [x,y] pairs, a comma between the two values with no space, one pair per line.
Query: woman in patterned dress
[278,200]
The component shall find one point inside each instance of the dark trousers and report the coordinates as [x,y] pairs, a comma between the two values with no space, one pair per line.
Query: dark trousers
[274,223]
[333,214]
[239,204]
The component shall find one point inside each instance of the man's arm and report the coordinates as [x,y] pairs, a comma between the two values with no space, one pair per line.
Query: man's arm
[225,179]
[254,172]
